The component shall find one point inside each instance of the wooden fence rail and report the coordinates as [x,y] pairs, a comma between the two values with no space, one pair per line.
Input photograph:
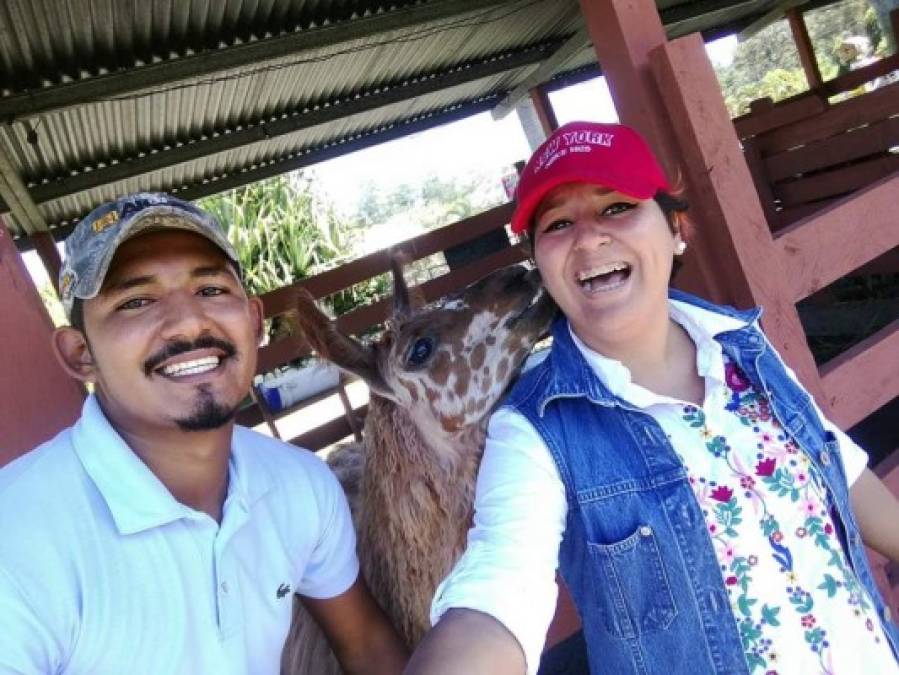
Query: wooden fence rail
[281,301]
[805,153]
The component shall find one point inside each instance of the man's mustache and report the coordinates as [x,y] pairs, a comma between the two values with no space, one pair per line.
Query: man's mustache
[177,347]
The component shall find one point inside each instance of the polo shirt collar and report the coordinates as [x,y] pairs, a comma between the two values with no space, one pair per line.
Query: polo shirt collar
[136,498]
[249,478]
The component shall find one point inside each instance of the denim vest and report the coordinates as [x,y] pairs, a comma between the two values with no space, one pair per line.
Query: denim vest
[636,554]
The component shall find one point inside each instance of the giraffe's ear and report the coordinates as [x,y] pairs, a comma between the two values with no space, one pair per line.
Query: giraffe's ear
[332,345]
[405,300]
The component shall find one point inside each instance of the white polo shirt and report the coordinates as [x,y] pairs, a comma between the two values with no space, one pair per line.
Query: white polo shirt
[103,572]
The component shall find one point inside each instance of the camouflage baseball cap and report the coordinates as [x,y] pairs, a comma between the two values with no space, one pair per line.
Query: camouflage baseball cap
[91,246]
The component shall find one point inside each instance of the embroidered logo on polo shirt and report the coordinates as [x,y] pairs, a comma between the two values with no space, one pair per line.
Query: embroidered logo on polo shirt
[283,590]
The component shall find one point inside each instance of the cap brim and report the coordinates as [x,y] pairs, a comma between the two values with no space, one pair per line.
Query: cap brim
[145,222]
[524,211]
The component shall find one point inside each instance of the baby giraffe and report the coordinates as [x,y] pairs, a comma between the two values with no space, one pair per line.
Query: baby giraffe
[435,376]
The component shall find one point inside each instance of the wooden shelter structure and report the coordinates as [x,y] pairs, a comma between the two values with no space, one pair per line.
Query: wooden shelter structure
[788,199]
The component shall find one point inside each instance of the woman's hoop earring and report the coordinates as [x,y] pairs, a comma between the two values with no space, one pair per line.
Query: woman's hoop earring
[680,248]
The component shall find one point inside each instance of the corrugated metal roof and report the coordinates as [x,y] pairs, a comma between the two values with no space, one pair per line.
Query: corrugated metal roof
[236,89]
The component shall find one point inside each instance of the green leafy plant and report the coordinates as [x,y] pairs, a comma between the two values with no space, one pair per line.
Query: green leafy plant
[767,64]
[283,233]
[279,232]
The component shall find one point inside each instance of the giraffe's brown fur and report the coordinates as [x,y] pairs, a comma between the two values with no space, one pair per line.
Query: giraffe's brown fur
[412,493]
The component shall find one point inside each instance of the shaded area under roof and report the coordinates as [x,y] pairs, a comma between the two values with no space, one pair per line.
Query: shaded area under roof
[101,98]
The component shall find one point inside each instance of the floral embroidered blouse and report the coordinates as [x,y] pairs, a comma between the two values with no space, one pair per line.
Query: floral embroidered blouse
[799,607]
[768,514]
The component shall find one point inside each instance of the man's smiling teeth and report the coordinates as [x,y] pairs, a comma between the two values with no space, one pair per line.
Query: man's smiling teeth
[194,367]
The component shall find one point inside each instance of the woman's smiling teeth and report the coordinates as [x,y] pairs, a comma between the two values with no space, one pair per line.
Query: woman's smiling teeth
[194,367]
[606,277]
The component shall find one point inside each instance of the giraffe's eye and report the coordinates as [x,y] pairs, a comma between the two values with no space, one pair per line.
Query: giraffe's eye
[420,351]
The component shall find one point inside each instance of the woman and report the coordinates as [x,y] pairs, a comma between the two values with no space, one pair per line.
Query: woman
[695,500]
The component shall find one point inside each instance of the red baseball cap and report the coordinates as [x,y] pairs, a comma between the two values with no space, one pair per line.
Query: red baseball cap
[611,155]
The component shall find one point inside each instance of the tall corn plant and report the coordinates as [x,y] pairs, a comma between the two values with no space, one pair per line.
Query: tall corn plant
[281,237]
[272,225]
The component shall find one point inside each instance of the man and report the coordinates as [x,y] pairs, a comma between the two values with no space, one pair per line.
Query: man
[155,536]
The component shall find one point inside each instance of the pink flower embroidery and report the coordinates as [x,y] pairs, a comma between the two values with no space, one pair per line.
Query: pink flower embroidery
[808,621]
[777,537]
[828,528]
[765,467]
[747,482]
[722,493]
[731,581]
[735,378]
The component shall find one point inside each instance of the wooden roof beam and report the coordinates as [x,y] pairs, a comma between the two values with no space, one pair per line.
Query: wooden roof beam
[543,72]
[17,198]
[25,211]
[671,18]
[359,141]
[264,130]
[208,63]
[805,48]
[777,13]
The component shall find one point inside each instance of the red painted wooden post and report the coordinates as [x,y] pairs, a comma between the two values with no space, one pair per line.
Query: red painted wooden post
[37,399]
[888,472]
[45,247]
[756,166]
[623,34]
[734,244]
[544,109]
[863,378]
[804,47]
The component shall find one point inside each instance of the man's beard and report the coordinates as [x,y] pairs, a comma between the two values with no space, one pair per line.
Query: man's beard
[207,414]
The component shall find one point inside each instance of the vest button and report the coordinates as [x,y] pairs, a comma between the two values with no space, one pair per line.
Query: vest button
[825,458]
[645,531]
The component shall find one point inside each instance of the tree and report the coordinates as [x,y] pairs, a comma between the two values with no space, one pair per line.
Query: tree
[770,53]
[882,9]
[768,64]
[433,202]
